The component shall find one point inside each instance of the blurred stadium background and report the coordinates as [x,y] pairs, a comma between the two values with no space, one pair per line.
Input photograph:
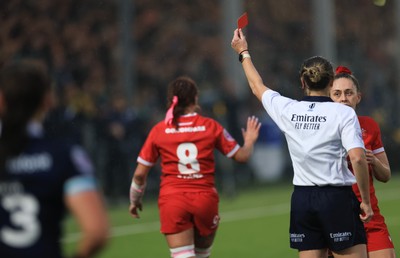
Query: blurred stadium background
[111,61]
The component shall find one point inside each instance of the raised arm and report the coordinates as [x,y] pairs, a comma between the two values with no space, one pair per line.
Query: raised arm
[239,44]
[250,135]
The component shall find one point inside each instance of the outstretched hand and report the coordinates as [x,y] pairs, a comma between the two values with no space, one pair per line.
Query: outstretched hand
[250,134]
[239,42]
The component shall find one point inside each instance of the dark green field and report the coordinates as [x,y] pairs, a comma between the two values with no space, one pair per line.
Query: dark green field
[254,224]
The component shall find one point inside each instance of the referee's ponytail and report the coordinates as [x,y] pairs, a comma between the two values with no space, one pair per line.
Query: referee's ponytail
[317,73]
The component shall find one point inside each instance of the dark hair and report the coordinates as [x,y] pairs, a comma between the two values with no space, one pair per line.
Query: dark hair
[317,73]
[23,86]
[344,72]
[186,90]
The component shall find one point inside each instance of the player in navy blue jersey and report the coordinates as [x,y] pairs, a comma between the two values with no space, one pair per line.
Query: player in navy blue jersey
[41,178]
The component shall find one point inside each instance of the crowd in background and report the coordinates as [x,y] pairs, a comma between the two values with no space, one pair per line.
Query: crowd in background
[79,43]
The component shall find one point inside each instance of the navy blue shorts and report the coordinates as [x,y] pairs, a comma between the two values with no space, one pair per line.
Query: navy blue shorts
[325,217]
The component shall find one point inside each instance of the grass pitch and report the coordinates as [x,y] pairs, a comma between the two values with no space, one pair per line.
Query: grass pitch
[253,224]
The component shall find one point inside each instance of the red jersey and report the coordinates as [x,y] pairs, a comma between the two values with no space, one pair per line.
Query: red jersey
[372,140]
[187,153]
[378,236]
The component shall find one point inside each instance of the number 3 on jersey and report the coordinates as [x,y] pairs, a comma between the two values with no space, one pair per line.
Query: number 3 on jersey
[187,155]
[23,209]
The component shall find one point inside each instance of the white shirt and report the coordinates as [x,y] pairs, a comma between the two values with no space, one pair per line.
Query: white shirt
[319,134]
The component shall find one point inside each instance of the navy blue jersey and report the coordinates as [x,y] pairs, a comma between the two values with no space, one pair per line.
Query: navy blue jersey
[32,196]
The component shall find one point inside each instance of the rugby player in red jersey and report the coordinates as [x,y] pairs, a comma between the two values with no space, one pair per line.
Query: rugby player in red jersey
[185,141]
[346,90]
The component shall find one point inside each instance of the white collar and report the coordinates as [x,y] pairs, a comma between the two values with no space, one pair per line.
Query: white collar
[190,114]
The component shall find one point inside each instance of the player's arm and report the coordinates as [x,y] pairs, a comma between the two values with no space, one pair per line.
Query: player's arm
[360,167]
[380,166]
[137,189]
[89,210]
[250,135]
[239,44]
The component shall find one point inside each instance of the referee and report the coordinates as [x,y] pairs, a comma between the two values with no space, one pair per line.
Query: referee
[325,212]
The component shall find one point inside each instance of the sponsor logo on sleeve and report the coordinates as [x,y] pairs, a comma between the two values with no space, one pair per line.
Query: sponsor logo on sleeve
[228,136]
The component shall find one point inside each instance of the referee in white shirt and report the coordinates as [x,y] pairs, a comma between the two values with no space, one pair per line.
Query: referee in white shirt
[325,213]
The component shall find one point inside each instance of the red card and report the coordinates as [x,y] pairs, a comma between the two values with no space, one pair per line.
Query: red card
[243,21]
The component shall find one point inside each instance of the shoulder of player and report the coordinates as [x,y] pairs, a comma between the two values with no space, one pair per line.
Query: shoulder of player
[341,109]
[209,122]
[52,144]
[158,126]
[367,121]
[62,147]
[200,120]
[277,99]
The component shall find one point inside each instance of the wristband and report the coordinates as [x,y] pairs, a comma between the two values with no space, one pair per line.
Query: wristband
[243,56]
[136,192]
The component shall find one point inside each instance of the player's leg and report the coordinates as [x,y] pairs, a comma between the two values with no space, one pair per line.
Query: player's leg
[344,231]
[203,244]
[357,251]
[181,245]
[206,220]
[305,231]
[320,253]
[379,242]
[177,225]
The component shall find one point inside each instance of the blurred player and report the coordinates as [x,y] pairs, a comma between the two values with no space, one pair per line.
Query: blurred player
[325,213]
[39,177]
[346,90]
[185,141]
